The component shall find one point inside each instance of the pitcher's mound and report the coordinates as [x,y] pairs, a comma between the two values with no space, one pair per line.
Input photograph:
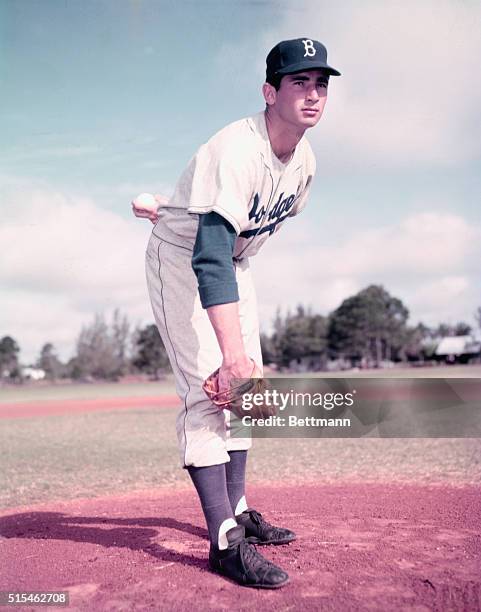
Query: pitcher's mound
[376,547]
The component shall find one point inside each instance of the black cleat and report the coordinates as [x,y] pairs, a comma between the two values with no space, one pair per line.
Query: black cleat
[259,531]
[241,562]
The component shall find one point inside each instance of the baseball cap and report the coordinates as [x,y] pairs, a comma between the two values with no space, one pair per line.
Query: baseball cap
[295,55]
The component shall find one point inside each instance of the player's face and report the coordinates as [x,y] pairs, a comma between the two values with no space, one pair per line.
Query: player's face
[301,98]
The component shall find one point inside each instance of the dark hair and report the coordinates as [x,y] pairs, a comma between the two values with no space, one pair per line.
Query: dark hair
[275,80]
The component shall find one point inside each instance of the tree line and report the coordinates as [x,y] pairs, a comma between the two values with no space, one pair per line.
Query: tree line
[367,329]
[104,350]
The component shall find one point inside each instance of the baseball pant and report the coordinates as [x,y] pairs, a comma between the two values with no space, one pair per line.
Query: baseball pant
[205,433]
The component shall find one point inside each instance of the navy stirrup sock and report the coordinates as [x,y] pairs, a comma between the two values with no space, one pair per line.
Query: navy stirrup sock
[235,472]
[210,483]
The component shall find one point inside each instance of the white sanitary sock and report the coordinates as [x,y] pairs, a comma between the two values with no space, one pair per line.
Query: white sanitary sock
[223,529]
[241,506]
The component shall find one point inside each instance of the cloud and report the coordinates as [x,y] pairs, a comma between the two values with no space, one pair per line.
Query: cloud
[421,244]
[33,320]
[439,295]
[63,259]
[429,260]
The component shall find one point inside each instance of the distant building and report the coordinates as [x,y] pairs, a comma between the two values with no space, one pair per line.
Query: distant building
[33,373]
[458,349]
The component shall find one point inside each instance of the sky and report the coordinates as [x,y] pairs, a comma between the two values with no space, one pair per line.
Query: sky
[105,99]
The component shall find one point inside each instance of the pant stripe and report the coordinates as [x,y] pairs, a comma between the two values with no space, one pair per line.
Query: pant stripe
[173,350]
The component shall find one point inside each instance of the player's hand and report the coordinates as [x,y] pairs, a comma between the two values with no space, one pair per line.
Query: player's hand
[241,368]
[149,210]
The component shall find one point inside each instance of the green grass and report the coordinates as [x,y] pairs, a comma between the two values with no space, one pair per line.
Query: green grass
[61,391]
[86,455]
[101,453]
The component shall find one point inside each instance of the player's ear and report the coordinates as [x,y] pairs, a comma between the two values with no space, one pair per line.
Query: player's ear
[269,92]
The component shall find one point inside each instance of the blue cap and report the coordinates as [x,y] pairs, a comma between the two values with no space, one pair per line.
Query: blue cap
[296,55]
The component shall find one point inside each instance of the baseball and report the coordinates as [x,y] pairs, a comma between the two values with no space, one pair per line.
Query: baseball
[145,200]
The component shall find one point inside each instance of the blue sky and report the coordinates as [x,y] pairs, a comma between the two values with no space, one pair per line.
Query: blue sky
[103,100]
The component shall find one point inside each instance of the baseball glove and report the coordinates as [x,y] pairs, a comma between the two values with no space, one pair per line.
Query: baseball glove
[232,399]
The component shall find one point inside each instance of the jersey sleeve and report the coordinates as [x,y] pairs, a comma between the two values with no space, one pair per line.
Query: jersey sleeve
[222,181]
[212,261]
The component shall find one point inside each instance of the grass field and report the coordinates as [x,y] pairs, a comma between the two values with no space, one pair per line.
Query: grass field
[88,455]
[85,391]
[96,453]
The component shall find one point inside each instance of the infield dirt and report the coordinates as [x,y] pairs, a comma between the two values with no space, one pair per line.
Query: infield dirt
[359,547]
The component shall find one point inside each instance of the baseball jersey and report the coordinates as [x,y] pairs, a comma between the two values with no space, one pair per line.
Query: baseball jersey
[237,175]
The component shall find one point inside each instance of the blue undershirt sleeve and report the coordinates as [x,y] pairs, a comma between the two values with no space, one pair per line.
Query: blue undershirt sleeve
[212,260]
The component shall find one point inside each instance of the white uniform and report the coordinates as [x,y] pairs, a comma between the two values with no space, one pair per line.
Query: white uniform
[237,175]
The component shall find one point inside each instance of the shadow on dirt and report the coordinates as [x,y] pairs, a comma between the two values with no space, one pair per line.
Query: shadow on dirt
[135,534]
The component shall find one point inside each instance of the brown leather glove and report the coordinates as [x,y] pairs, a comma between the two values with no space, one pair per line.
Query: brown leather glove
[232,398]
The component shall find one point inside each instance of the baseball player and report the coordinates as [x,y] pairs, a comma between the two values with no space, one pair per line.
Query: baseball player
[238,190]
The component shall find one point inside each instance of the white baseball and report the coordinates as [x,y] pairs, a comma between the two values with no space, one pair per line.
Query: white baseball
[147,200]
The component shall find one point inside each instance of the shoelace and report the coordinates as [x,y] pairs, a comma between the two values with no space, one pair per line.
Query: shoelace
[257,518]
[263,524]
[253,558]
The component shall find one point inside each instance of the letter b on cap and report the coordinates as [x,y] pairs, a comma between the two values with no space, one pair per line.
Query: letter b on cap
[309,48]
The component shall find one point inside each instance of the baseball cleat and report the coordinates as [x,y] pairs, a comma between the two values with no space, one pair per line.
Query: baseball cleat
[241,562]
[259,531]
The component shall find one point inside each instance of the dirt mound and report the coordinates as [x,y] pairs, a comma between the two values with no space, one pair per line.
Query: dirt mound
[360,547]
